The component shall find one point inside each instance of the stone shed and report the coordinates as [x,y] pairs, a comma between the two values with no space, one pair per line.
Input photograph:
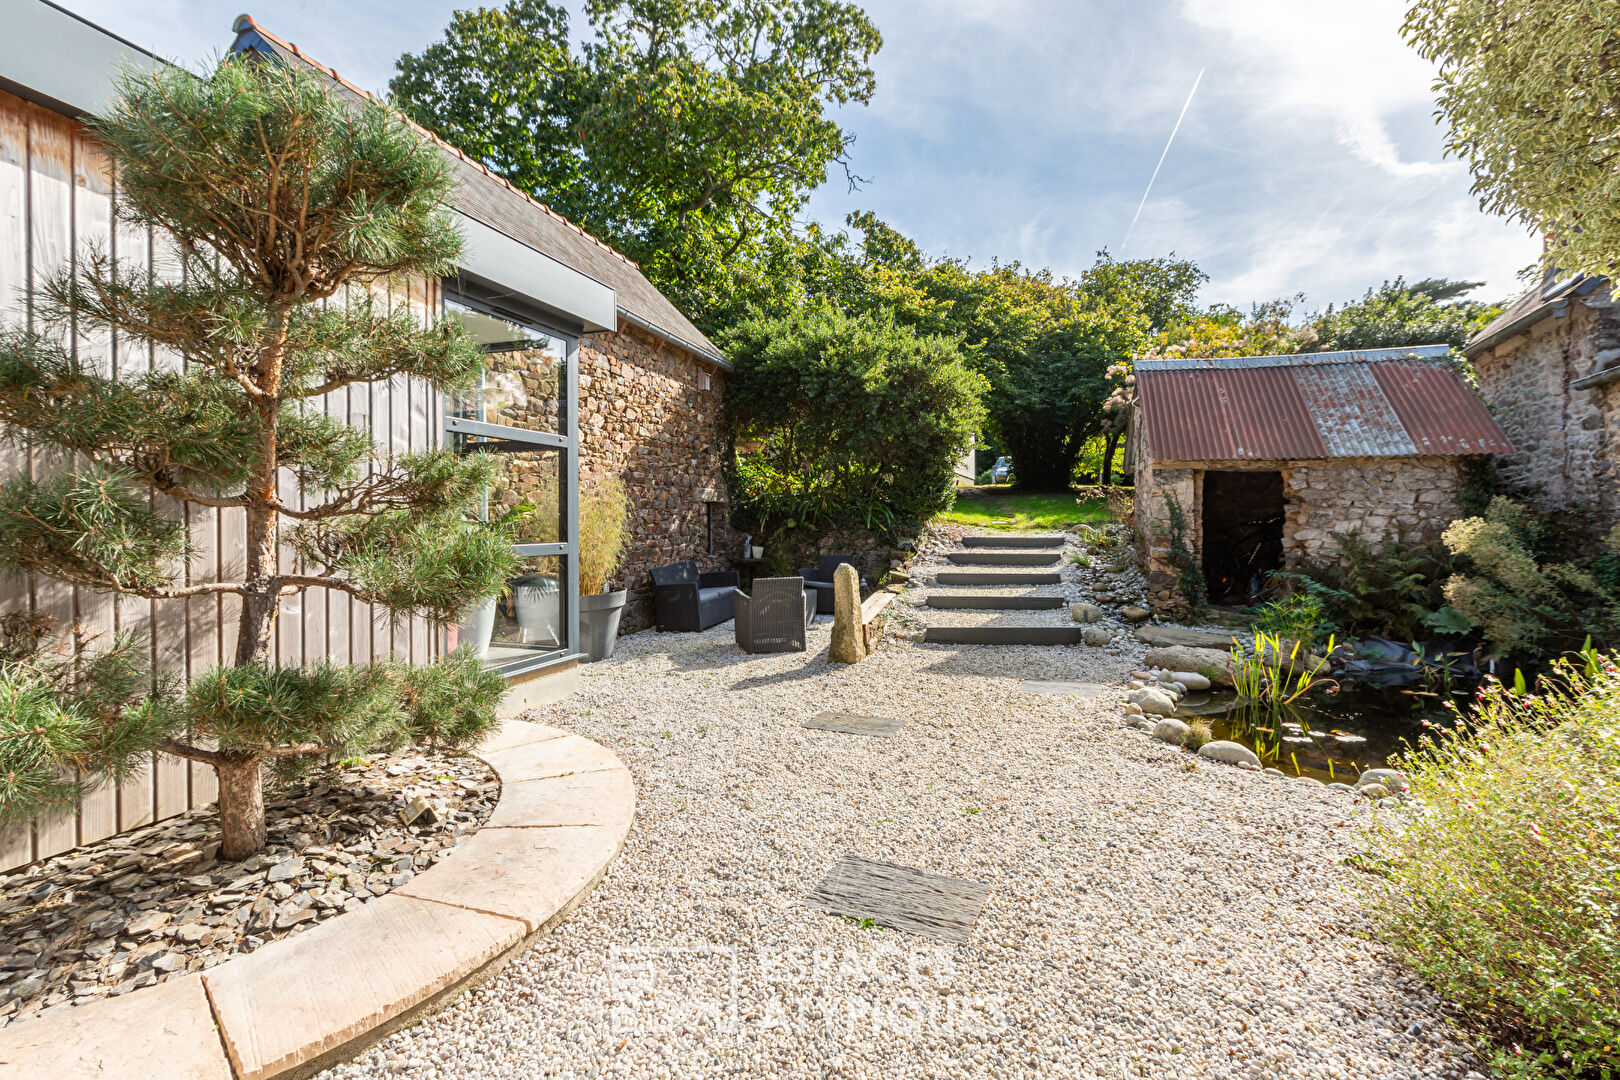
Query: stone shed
[1248,465]
[1549,366]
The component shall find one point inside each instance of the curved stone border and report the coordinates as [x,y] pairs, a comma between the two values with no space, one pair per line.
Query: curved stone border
[307,1001]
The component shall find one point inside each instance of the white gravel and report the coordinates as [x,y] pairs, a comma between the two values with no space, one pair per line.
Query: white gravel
[1143,920]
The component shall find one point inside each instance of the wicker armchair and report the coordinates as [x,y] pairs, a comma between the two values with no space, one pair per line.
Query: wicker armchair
[685,599]
[775,617]
[819,580]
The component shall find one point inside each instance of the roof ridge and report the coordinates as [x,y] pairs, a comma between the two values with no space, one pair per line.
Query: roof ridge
[327,69]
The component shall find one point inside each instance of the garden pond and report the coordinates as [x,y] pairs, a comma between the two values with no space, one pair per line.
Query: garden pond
[1327,736]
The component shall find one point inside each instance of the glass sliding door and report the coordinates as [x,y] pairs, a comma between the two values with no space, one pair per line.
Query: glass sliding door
[523,413]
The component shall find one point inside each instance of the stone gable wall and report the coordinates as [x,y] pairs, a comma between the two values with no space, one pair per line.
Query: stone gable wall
[1564,441]
[645,416]
[1407,499]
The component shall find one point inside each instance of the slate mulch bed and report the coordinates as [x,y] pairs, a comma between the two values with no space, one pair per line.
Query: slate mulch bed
[136,909]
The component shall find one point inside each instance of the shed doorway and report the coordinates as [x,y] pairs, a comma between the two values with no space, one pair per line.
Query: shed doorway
[1243,533]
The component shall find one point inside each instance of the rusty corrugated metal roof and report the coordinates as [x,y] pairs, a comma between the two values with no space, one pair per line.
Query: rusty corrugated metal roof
[1367,403]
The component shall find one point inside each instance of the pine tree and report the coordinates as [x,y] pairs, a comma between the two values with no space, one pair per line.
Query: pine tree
[292,212]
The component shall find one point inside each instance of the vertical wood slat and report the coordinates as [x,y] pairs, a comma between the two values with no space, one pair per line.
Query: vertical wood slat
[170,645]
[17,841]
[92,235]
[137,794]
[50,250]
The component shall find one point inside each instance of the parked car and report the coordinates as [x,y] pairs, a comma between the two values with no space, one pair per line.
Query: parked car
[1001,471]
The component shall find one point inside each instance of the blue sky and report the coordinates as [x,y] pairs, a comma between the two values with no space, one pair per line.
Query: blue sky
[1309,160]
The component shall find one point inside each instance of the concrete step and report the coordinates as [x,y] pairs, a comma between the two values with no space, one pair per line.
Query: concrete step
[990,577]
[1003,558]
[994,603]
[1012,540]
[1004,635]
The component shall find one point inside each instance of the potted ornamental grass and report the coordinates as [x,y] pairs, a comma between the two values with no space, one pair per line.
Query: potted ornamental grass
[604,531]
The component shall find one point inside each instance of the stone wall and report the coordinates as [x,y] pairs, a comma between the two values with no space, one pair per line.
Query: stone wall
[646,416]
[1408,499]
[1564,440]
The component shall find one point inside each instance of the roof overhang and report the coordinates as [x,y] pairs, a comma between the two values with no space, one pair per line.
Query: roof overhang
[54,58]
[512,266]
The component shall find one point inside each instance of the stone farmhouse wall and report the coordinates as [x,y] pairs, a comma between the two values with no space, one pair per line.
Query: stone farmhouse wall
[1407,499]
[1565,441]
[649,412]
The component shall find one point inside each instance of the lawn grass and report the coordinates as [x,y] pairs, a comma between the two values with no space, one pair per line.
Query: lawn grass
[998,506]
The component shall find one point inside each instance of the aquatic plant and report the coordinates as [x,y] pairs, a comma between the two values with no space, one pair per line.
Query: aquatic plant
[1275,675]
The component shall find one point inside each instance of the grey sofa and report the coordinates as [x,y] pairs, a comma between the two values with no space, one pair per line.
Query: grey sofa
[819,579]
[685,598]
[775,617]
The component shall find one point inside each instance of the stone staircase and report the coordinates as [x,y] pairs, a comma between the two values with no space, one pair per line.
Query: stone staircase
[1021,554]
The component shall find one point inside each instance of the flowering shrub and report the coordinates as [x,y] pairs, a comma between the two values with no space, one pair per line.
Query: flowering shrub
[1504,888]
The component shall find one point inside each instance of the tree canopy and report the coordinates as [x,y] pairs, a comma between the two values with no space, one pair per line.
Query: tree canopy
[1430,312]
[1531,90]
[688,133]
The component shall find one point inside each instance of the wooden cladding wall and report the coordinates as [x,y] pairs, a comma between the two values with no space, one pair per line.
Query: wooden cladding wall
[56,199]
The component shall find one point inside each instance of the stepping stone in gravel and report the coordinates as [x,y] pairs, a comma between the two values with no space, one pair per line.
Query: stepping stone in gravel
[901,898]
[1078,689]
[852,724]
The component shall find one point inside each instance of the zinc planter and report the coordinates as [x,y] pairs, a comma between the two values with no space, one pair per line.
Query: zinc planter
[539,608]
[474,634]
[599,623]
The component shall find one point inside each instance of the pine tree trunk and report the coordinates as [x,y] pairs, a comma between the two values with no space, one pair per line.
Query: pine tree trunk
[241,807]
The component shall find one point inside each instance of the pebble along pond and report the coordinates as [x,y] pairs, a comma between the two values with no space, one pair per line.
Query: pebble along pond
[1329,737]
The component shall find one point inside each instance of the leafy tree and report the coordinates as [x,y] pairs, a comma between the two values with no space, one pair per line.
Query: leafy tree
[858,421]
[1531,89]
[1395,314]
[1265,330]
[686,132]
[288,209]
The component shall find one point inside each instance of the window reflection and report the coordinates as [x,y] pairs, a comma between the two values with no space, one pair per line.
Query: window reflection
[523,384]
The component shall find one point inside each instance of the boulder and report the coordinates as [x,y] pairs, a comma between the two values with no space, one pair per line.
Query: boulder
[1133,614]
[1371,791]
[1276,772]
[1153,701]
[1229,752]
[1192,680]
[1175,635]
[1388,779]
[1171,730]
[1097,635]
[1132,709]
[1213,664]
[1087,613]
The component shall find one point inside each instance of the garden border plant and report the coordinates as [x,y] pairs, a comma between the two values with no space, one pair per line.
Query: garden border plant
[1503,890]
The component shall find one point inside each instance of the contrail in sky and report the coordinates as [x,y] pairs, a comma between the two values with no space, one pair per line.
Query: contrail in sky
[1162,156]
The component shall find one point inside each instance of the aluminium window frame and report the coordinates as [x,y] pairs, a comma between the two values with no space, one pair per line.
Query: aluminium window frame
[469,294]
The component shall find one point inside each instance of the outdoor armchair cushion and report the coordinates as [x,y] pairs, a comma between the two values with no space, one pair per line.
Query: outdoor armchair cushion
[774,618]
[686,599]
[819,580]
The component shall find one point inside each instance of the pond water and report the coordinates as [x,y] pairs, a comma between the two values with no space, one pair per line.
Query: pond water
[1325,736]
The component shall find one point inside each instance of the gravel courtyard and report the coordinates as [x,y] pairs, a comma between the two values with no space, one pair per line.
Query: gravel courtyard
[1144,919]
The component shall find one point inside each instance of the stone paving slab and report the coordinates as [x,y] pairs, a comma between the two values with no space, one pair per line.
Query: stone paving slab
[901,898]
[297,999]
[525,874]
[851,724]
[551,757]
[165,1032]
[517,733]
[590,798]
